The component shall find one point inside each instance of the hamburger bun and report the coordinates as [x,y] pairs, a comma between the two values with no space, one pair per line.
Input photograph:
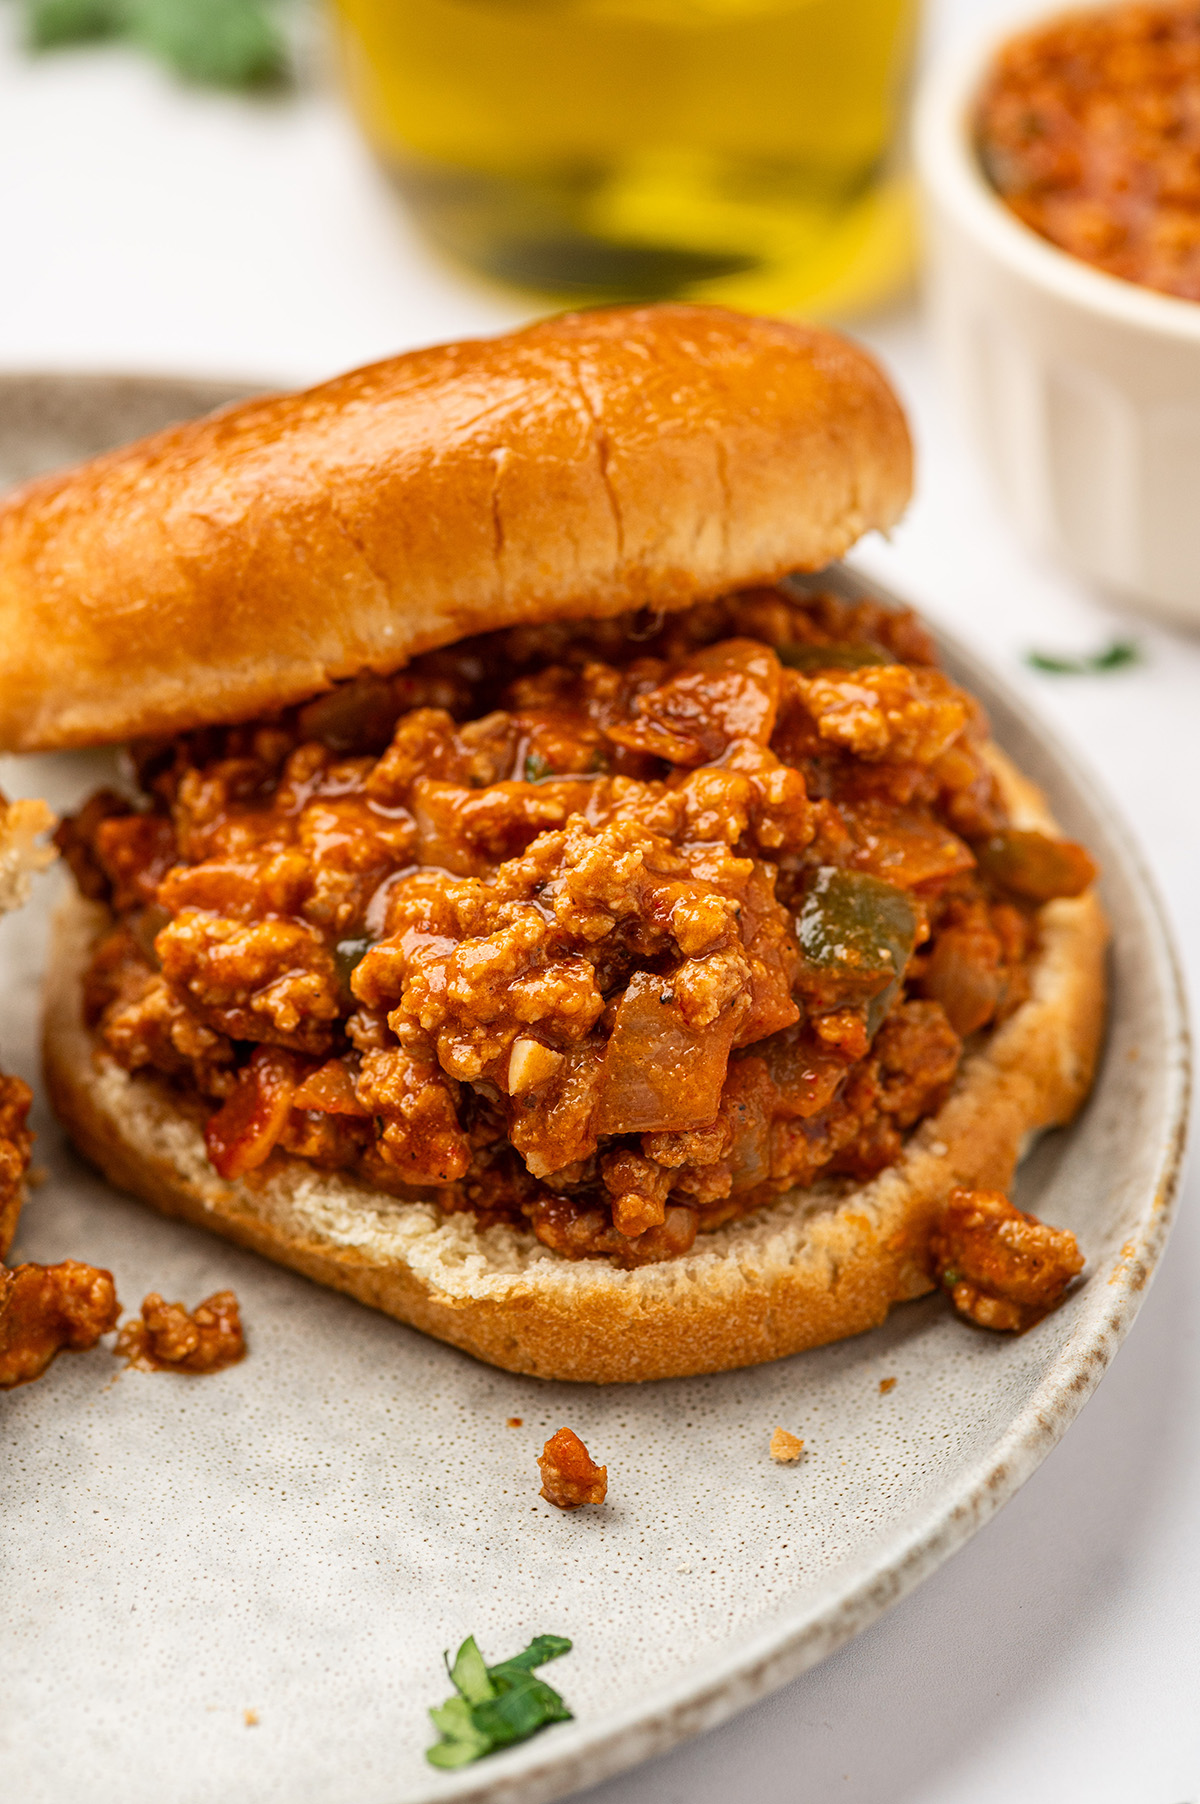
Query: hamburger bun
[586,465]
[813,1267]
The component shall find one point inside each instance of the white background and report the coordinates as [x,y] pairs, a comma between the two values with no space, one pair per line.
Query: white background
[143,227]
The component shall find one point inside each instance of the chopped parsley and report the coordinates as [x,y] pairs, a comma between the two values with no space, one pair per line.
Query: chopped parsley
[1115,656]
[495,1706]
[537,768]
[219,43]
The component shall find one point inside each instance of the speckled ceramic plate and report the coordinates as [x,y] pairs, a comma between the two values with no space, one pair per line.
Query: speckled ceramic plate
[243,1585]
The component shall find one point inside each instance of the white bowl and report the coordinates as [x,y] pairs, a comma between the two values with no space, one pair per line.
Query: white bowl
[1083,390]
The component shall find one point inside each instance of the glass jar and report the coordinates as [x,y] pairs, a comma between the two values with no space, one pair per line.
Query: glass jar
[730,150]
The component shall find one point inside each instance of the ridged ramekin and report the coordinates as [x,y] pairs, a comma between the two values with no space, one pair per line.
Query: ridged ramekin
[1083,390]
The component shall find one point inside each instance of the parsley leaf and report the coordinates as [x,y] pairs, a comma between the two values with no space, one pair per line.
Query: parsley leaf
[537,768]
[495,1706]
[461,1741]
[220,43]
[49,23]
[469,1676]
[540,1649]
[1115,656]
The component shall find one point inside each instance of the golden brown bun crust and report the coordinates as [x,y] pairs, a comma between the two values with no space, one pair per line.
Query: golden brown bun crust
[812,1268]
[600,461]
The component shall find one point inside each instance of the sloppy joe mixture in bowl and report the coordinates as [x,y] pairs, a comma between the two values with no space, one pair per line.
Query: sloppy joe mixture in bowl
[1060,169]
[613,929]
[1088,128]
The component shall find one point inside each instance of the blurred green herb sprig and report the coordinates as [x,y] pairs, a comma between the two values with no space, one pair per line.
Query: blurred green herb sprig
[216,43]
[495,1706]
[1116,656]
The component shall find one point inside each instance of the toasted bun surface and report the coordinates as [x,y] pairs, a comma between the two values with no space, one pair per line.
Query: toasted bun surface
[812,1268]
[633,457]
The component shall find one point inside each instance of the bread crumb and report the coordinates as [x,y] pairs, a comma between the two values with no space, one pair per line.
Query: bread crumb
[515,1422]
[938,1148]
[785,1448]
[250,1718]
[886,1385]
[20,853]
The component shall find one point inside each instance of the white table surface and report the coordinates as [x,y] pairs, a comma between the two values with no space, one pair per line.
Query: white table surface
[1056,1659]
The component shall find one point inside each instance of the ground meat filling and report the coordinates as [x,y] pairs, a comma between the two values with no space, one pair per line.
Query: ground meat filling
[166,1337]
[618,929]
[570,1476]
[1003,1268]
[50,1309]
[16,1142]
[44,1309]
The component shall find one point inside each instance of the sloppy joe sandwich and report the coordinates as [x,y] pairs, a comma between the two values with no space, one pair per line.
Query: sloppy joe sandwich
[44,1309]
[22,851]
[533,910]
[21,855]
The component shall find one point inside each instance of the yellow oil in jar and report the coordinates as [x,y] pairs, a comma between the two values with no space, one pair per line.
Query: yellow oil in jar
[734,150]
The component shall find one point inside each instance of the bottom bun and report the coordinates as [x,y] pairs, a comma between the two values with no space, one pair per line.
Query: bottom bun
[813,1267]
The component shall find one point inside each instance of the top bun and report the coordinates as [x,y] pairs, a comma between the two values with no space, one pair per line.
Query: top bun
[631,457]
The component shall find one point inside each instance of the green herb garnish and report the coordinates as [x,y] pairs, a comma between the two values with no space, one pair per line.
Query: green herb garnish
[49,23]
[220,43]
[537,768]
[495,1706]
[1116,656]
